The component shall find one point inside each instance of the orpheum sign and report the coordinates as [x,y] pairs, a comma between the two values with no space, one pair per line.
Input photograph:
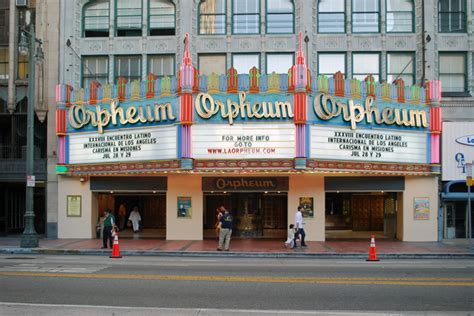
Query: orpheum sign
[245,184]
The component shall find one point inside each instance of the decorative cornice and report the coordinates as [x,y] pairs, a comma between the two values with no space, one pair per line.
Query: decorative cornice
[123,167]
[368,167]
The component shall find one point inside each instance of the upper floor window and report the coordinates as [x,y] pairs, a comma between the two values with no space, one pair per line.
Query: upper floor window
[330,63]
[4,62]
[212,63]
[279,63]
[161,17]
[280,16]
[452,16]
[128,67]
[401,66]
[365,16]
[400,16]
[452,71]
[246,16]
[161,65]
[244,62]
[95,68]
[331,16]
[22,67]
[129,18]
[212,17]
[96,19]
[366,64]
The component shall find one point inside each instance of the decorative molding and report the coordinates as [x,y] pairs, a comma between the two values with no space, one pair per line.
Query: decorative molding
[123,168]
[368,167]
[283,164]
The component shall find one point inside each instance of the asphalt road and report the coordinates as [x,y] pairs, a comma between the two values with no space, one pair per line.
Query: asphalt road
[254,284]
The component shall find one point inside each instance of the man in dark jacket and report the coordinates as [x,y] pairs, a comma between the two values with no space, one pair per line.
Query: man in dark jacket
[226,231]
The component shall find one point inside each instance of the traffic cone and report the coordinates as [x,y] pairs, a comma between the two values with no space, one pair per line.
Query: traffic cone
[372,250]
[116,248]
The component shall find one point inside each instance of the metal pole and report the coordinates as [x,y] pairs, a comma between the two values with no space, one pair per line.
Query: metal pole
[29,239]
[469,224]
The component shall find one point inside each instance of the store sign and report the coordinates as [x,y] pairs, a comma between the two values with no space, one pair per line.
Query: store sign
[101,115]
[458,149]
[242,107]
[125,145]
[327,108]
[243,141]
[245,184]
[368,145]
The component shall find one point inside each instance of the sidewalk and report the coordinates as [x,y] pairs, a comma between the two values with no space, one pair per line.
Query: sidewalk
[247,248]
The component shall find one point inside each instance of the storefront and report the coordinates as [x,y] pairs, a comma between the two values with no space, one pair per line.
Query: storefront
[458,149]
[358,156]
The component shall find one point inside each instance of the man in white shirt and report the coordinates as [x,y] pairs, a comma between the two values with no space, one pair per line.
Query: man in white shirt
[299,226]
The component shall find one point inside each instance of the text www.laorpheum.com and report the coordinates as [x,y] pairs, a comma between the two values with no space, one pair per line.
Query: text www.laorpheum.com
[253,150]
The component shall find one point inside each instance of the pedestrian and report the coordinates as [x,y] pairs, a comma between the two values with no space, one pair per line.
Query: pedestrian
[300,233]
[122,213]
[108,224]
[135,218]
[290,241]
[226,231]
[220,213]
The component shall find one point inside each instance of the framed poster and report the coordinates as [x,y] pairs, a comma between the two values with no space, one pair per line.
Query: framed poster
[421,208]
[74,208]
[184,207]
[308,208]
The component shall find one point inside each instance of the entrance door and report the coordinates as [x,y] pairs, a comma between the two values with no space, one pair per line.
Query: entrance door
[367,213]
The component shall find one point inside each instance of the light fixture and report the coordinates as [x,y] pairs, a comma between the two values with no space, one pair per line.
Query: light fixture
[154,191]
[39,56]
[23,45]
[83,179]
[111,192]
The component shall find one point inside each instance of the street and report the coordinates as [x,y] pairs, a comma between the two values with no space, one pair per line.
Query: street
[255,284]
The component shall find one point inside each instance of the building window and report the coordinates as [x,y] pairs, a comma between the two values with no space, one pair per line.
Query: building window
[366,64]
[401,66]
[280,16]
[22,67]
[215,63]
[244,62]
[452,16]
[162,17]
[161,65]
[128,67]
[4,63]
[452,71]
[212,17]
[129,18]
[365,16]
[96,19]
[95,68]
[331,16]
[246,16]
[400,16]
[279,63]
[330,63]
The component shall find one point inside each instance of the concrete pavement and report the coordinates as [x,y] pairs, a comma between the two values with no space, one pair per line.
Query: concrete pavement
[248,248]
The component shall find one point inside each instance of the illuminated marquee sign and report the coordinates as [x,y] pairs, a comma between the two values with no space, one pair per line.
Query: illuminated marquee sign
[245,184]
[125,145]
[243,141]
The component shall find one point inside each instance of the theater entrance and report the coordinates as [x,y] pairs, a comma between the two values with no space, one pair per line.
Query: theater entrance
[151,207]
[256,214]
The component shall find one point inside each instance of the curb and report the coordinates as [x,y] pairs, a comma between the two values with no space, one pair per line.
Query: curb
[333,255]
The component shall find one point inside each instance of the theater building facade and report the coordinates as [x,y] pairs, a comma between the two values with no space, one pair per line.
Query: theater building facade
[359,156]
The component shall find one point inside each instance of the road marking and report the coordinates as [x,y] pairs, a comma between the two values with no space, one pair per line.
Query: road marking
[468,282]
[32,267]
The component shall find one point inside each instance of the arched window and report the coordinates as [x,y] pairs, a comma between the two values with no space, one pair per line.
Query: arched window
[161,18]
[129,18]
[212,17]
[331,16]
[280,16]
[96,19]
[452,16]
[365,16]
[400,16]
[245,16]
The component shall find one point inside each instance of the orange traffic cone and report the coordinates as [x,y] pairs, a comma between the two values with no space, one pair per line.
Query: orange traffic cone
[372,250]
[116,248]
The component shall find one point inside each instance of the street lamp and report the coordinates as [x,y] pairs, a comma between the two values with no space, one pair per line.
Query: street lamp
[31,46]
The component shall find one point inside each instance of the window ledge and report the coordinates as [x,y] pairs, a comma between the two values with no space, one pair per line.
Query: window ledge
[456,94]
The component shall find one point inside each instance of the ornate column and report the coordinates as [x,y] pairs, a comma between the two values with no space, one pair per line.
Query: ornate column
[433,96]
[299,82]
[185,88]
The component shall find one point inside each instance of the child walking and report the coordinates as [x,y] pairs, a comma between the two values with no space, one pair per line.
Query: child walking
[290,241]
